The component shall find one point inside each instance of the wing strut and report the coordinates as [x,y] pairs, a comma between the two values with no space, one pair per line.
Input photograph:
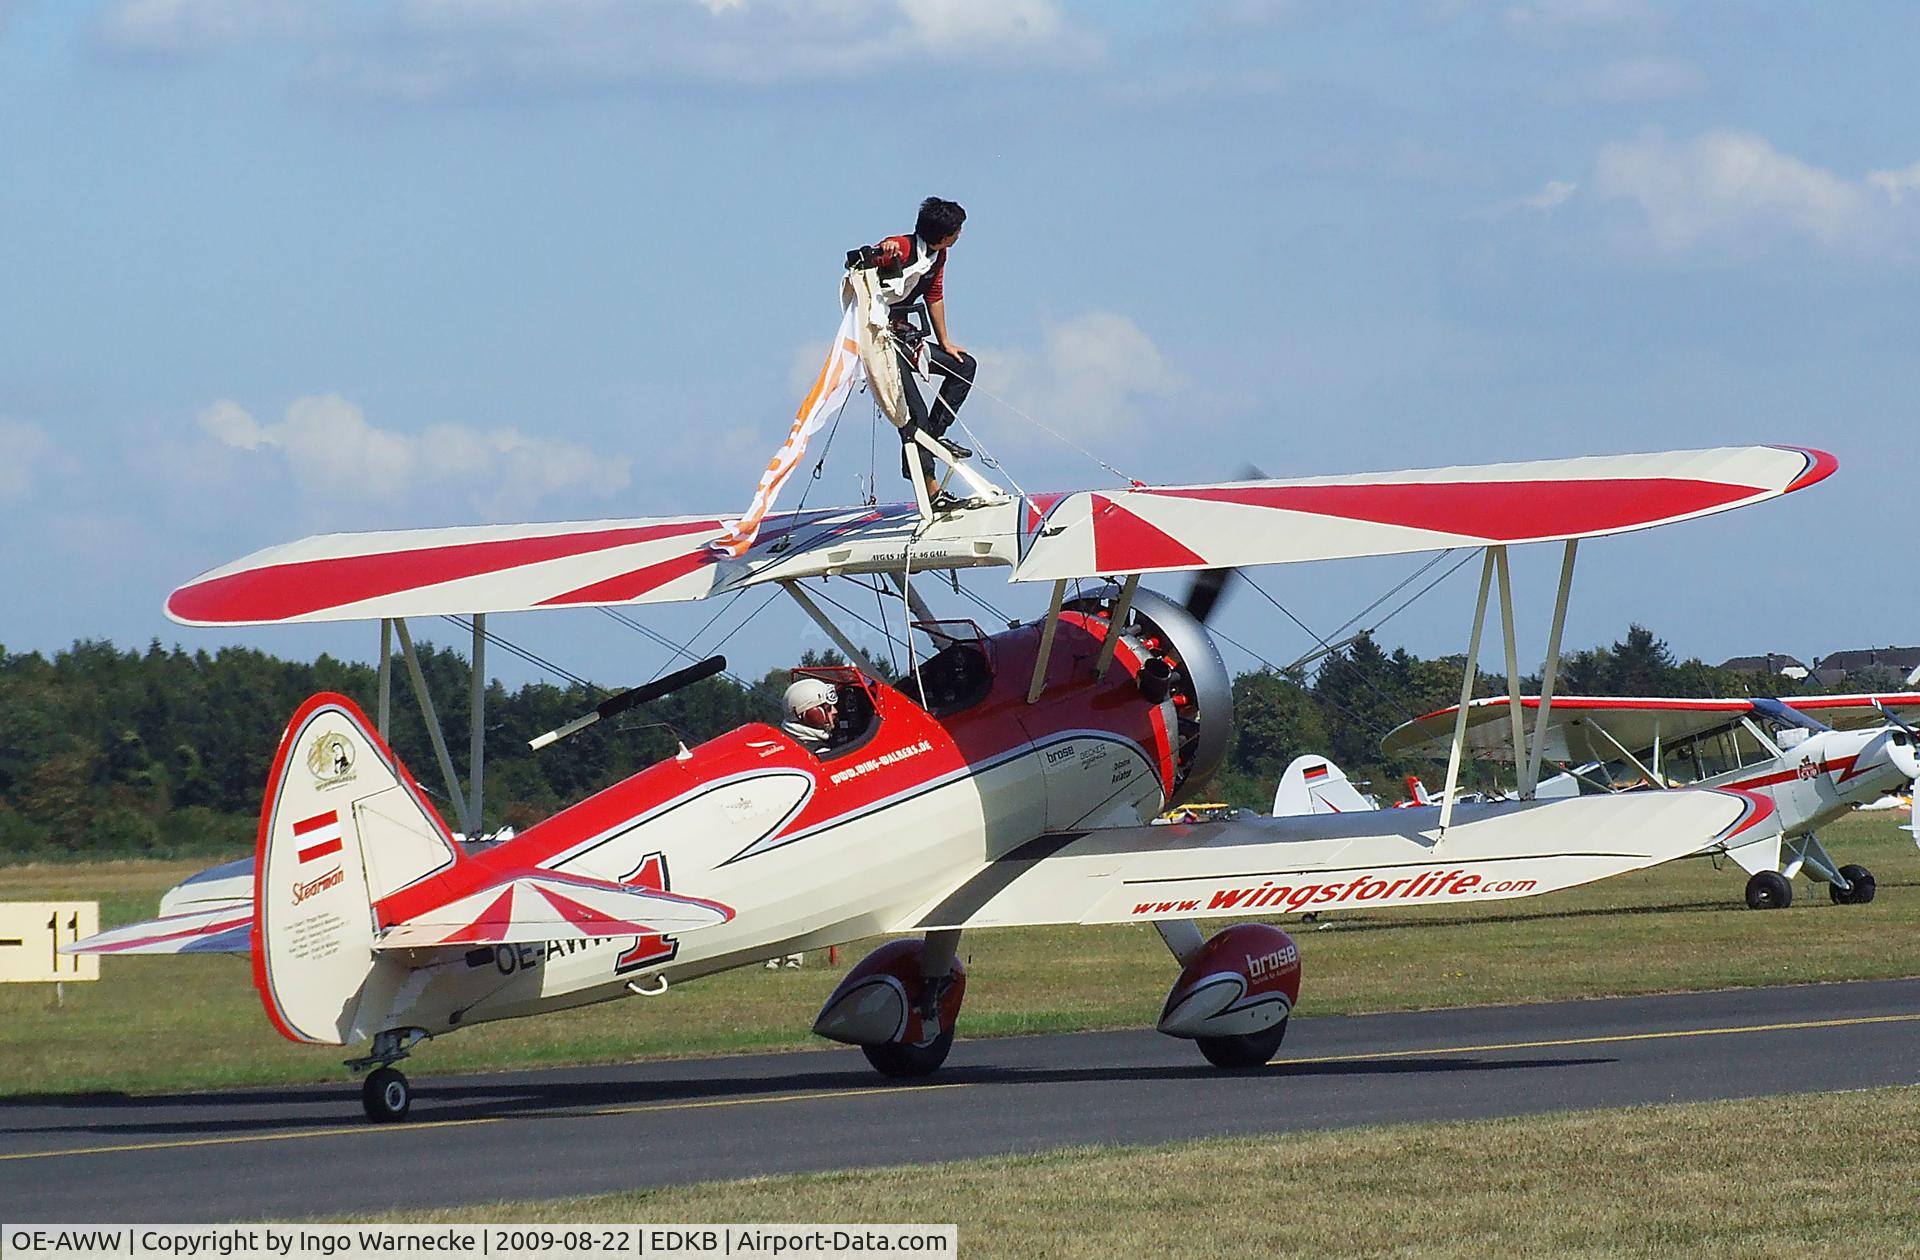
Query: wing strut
[821,619]
[1530,777]
[477,728]
[1467,675]
[1122,607]
[383,712]
[1513,664]
[1046,642]
[432,718]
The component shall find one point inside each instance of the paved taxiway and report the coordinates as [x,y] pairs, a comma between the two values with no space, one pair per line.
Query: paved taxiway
[302,1150]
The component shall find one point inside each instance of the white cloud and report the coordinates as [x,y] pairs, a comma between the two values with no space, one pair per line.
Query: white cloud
[1562,23]
[1551,194]
[1733,190]
[1642,81]
[330,448]
[429,49]
[1896,184]
[26,453]
[1087,380]
[177,28]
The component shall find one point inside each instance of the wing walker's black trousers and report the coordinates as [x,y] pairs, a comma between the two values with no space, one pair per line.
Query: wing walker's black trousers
[956,373]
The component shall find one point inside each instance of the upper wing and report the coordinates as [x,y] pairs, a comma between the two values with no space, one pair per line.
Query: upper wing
[515,568]
[1573,726]
[1158,528]
[1346,861]
[1851,712]
[534,905]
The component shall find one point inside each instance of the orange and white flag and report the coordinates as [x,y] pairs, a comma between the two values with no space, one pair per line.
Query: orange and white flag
[838,375]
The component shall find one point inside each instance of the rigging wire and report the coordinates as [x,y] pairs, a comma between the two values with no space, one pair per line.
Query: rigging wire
[1391,591]
[525,654]
[1358,719]
[1045,428]
[661,639]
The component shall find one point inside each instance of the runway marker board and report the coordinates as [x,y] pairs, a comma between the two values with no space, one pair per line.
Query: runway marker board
[31,934]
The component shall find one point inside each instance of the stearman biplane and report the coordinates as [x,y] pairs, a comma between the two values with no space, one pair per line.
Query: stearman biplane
[1004,779]
[1816,757]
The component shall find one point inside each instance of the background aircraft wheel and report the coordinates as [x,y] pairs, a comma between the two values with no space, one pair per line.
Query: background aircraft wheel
[892,1058]
[1861,892]
[386,1095]
[1769,890]
[1247,1050]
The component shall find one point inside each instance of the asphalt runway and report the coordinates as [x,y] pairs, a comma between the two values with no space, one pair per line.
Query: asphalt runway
[273,1153]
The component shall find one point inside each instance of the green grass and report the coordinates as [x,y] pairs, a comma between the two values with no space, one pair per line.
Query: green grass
[171,1023]
[1811,1175]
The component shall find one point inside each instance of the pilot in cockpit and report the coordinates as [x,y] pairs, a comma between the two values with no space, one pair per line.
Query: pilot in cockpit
[812,704]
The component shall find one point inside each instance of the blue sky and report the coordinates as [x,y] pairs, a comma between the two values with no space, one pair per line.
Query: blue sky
[276,267]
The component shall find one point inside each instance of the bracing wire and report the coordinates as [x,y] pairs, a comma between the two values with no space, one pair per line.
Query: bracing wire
[525,654]
[663,641]
[1357,719]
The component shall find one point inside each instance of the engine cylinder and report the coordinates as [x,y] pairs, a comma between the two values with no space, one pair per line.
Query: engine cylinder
[1179,661]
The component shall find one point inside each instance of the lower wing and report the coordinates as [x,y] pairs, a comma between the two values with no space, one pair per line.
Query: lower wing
[1342,861]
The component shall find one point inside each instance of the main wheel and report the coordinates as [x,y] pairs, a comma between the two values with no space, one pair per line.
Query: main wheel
[1861,891]
[896,1059]
[1246,1050]
[386,1096]
[1769,890]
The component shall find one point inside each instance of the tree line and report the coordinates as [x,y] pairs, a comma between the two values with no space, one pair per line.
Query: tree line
[115,753]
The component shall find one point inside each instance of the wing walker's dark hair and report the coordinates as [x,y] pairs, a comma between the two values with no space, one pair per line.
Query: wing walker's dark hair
[938,219]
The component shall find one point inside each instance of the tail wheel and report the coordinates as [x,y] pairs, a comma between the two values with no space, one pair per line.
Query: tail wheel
[897,1059]
[1769,890]
[386,1095]
[1861,887]
[1247,1050]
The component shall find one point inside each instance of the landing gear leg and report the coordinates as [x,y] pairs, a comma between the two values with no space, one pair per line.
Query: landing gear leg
[901,1059]
[1848,885]
[386,1094]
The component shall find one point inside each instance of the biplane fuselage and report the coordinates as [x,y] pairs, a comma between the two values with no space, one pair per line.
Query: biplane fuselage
[824,847]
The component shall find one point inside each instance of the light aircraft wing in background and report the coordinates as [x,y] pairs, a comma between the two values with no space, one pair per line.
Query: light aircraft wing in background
[1635,722]
[1342,861]
[1142,529]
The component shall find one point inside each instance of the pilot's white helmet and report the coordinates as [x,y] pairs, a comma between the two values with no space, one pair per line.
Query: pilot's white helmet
[807,698]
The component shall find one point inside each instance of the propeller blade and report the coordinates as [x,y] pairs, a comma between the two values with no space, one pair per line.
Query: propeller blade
[1205,592]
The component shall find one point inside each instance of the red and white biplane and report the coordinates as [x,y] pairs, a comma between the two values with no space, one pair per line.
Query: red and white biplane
[1816,757]
[1005,779]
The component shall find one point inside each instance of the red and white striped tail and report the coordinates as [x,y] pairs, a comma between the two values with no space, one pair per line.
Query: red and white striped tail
[343,825]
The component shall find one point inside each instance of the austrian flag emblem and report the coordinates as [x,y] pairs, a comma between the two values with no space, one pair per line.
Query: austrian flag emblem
[318,836]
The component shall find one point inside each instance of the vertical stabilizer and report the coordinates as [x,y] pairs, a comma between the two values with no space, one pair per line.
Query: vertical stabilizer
[342,826]
[1314,785]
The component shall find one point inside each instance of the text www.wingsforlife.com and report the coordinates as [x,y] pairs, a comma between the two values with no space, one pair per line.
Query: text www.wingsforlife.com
[1439,885]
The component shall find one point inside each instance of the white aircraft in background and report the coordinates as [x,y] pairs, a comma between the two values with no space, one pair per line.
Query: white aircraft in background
[1816,757]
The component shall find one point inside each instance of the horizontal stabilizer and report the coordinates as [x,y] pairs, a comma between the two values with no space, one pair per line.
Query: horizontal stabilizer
[220,929]
[530,905]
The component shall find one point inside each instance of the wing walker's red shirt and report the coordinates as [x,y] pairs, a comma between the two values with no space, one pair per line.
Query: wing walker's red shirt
[898,250]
